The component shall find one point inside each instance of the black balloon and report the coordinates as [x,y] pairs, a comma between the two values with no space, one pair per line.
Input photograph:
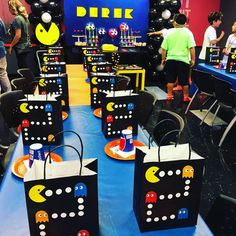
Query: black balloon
[162,5]
[156,59]
[153,13]
[150,49]
[58,18]
[169,24]
[29,1]
[175,5]
[37,8]
[33,19]
[156,42]
[158,23]
[151,29]
[54,7]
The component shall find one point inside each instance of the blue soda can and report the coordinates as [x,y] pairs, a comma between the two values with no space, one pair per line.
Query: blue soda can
[126,141]
[36,152]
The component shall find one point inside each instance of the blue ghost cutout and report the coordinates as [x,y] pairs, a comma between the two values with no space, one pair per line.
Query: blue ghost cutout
[183,213]
[112,80]
[48,108]
[80,189]
[59,81]
[130,106]
[58,68]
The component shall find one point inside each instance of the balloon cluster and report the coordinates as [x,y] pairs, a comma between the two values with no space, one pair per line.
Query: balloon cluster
[46,15]
[160,17]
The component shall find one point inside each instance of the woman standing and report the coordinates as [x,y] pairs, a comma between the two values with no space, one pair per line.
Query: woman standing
[20,30]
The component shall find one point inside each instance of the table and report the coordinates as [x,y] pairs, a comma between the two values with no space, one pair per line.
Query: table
[116,218]
[138,72]
[221,74]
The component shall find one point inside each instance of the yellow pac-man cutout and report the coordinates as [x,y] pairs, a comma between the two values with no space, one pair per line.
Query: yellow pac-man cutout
[187,172]
[45,59]
[150,174]
[94,68]
[63,102]
[47,37]
[23,107]
[211,49]
[50,50]
[35,195]
[89,58]
[42,83]
[233,56]
[51,138]
[110,106]
[85,52]
[94,80]
[45,69]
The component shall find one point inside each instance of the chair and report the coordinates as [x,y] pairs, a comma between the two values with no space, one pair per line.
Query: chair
[9,107]
[24,84]
[26,73]
[168,128]
[147,102]
[223,96]
[204,84]
[221,217]
[231,123]
[122,82]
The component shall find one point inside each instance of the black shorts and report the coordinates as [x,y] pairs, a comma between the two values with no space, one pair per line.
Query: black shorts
[177,70]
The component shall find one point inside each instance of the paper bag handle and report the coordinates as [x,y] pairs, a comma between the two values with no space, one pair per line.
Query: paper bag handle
[68,131]
[57,147]
[159,152]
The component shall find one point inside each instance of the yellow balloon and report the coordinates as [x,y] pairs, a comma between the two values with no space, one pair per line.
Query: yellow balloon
[150,174]
[94,80]
[49,37]
[23,107]
[110,106]
[35,195]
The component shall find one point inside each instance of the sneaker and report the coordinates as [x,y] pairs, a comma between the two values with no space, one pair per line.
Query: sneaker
[178,88]
[187,99]
[169,97]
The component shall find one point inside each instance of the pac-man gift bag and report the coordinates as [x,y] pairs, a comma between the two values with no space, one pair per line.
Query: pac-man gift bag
[41,119]
[64,202]
[213,55]
[231,63]
[101,83]
[167,187]
[55,68]
[89,50]
[97,67]
[56,85]
[119,112]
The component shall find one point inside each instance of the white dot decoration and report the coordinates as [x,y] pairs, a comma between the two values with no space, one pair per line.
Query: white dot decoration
[186,187]
[36,107]
[71,214]
[178,172]
[50,123]
[26,138]
[177,195]
[58,191]
[49,114]
[81,207]
[162,173]
[42,226]
[170,196]
[187,181]
[42,233]
[68,190]
[80,200]
[162,197]
[186,194]
[149,219]
[164,218]
[54,215]
[30,107]
[80,213]
[41,107]
[149,213]
[32,138]
[32,122]
[109,124]
[156,219]
[116,106]
[150,206]
[170,173]
[48,193]
[63,215]
[120,105]
[172,217]
[37,123]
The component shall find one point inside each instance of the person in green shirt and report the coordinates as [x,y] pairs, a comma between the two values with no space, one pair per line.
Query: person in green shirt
[176,48]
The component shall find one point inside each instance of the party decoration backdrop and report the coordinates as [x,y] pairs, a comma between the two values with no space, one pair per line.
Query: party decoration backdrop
[106,14]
